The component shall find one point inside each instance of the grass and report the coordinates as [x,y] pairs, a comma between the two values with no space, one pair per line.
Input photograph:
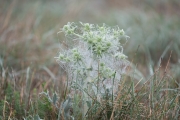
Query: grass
[157,98]
[29,42]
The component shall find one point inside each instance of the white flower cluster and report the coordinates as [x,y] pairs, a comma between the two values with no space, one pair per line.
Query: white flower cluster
[94,54]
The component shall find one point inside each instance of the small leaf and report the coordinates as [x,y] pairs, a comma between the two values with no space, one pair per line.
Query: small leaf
[36,117]
[88,104]
[55,98]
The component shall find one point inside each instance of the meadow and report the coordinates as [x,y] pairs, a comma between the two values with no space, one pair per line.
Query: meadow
[34,86]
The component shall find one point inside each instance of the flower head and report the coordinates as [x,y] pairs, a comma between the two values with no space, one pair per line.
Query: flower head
[95,53]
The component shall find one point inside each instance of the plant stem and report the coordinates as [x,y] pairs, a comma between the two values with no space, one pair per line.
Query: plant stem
[111,110]
[66,88]
[98,79]
[113,88]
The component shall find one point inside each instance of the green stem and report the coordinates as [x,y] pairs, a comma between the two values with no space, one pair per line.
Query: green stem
[113,87]
[98,79]
[78,35]
[66,87]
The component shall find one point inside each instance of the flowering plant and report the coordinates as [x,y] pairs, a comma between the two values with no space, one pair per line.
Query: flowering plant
[93,58]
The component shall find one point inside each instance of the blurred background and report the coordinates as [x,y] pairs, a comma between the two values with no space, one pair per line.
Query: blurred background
[28,32]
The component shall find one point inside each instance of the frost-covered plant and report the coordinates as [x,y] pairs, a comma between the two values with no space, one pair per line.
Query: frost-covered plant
[93,58]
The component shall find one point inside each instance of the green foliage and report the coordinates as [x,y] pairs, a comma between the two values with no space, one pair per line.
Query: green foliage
[10,104]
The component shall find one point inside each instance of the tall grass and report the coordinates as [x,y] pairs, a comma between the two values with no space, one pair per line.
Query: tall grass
[157,98]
